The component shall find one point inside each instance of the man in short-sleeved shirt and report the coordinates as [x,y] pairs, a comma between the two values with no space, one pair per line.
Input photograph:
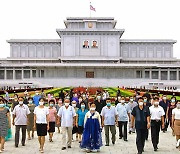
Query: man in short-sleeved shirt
[20,120]
[109,119]
[66,116]
[157,118]
[123,116]
[141,115]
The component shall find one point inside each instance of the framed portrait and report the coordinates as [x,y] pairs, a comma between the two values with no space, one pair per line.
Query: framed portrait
[94,44]
[85,44]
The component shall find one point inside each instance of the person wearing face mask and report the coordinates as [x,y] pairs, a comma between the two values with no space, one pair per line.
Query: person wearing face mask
[164,104]
[30,125]
[157,119]
[14,102]
[99,103]
[141,116]
[85,100]
[41,122]
[75,97]
[52,119]
[123,111]
[5,123]
[91,138]
[109,120]
[176,123]
[36,98]
[58,106]
[75,128]
[171,106]
[131,105]
[80,114]
[118,100]
[20,120]
[67,118]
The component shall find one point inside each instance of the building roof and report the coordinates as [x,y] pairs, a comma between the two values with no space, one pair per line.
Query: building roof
[147,41]
[34,40]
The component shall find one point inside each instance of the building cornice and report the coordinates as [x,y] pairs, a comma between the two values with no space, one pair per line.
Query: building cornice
[147,41]
[34,41]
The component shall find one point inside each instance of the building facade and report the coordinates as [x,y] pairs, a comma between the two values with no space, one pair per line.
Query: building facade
[90,52]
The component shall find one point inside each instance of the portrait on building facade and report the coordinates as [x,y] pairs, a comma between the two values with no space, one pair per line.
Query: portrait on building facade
[85,44]
[94,44]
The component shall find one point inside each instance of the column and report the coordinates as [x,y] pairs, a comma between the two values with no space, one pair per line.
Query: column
[31,73]
[22,73]
[14,77]
[168,77]
[150,74]
[177,73]
[159,74]
[5,73]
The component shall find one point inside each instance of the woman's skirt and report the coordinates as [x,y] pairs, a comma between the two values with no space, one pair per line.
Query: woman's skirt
[41,129]
[51,127]
[177,127]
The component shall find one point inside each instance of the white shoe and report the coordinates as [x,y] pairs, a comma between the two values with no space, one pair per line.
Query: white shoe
[178,143]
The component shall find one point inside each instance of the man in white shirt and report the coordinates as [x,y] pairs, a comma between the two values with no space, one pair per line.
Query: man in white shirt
[109,119]
[157,119]
[67,119]
[123,115]
[20,120]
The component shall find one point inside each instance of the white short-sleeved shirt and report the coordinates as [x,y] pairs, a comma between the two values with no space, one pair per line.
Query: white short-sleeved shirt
[109,115]
[123,111]
[67,116]
[156,112]
[21,113]
[176,113]
[41,114]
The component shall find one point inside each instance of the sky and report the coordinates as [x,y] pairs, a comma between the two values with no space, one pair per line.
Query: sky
[39,19]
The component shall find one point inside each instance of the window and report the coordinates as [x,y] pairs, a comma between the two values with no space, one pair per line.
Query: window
[9,74]
[34,73]
[138,74]
[26,74]
[42,73]
[147,74]
[18,74]
[1,74]
[89,74]
[155,74]
[164,75]
[173,75]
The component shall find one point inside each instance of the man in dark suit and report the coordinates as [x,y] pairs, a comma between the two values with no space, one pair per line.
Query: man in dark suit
[86,44]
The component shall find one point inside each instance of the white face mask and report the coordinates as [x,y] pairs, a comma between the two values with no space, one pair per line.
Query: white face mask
[119,98]
[80,100]
[74,105]
[98,97]
[178,106]
[41,103]
[156,103]
[131,100]
[141,103]
[122,101]
[66,104]
[92,108]
[164,98]
[21,102]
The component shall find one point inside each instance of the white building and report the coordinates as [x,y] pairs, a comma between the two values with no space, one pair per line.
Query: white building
[90,52]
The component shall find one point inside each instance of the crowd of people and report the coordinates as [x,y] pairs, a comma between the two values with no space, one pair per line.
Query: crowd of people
[76,113]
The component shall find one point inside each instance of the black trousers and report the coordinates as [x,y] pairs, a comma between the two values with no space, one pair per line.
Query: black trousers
[122,124]
[147,134]
[165,124]
[155,129]
[23,128]
[140,139]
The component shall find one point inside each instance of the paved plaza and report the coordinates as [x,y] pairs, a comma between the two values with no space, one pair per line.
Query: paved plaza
[166,146]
